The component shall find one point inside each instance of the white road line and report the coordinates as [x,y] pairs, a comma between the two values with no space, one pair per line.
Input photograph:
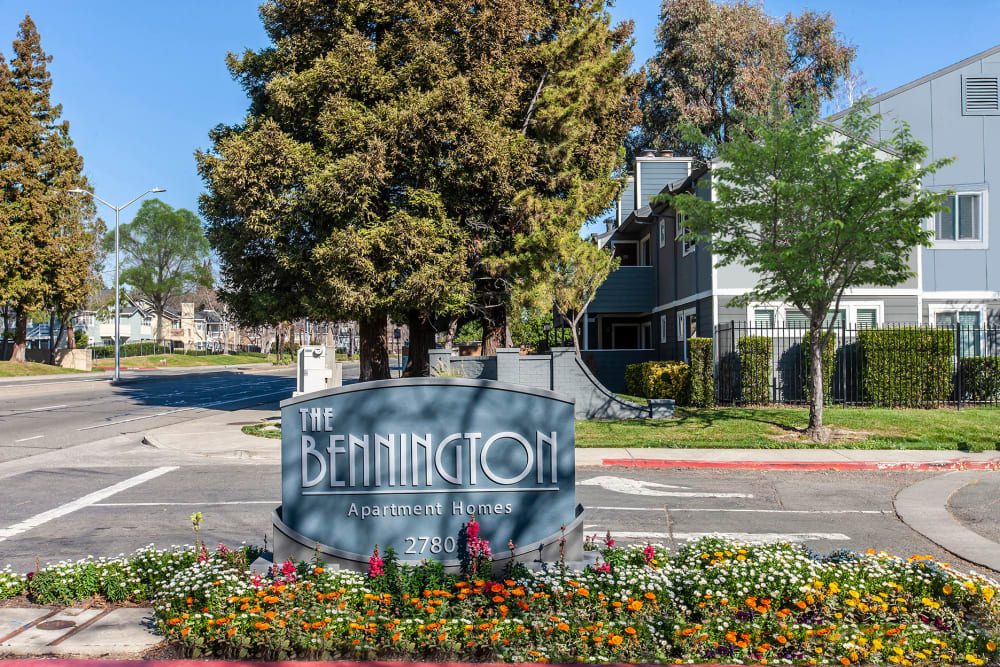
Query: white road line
[736,537]
[34,437]
[205,502]
[751,511]
[170,412]
[82,502]
[51,407]
[638,487]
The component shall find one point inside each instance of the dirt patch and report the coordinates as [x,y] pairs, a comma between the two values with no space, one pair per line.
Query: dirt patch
[792,434]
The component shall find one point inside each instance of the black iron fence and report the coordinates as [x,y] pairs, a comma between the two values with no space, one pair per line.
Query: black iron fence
[899,365]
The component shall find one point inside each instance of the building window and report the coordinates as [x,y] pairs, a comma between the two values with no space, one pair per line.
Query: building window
[962,223]
[663,232]
[147,321]
[763,318]
[687,246]
[968,322]
[663,328]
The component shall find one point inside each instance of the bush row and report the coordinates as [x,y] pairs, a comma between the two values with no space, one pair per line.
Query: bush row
[686,384]
[911,366]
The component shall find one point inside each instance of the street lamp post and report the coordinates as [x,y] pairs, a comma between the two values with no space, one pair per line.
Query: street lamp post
[117,210]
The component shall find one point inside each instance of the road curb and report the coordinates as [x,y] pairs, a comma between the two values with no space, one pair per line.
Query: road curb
[923,506]
[939,466]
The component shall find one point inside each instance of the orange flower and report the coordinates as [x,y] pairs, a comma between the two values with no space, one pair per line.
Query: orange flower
[269,615]
[496,588]
[781,639]
[498,598]
[442,636]
[231,631]
[800,604]
[184,631]
[563,627]
[845,661]
[396,637]
[630,630]
[583,591]
[261,626]
[615,640]
[635,605]
[650,595]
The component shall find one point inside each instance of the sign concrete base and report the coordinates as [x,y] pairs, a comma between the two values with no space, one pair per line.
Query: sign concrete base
[288,543]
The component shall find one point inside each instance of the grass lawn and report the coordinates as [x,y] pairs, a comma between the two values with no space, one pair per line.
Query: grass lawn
[173,360]
[264,430]
[973,429]
[9,369]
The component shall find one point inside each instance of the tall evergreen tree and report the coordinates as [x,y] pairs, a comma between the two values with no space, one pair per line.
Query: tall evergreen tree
[408,158]
[46,234]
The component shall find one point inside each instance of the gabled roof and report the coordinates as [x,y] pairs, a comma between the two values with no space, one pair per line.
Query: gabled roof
[924,79]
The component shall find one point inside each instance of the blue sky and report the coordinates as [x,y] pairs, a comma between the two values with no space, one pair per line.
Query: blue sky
[142,83]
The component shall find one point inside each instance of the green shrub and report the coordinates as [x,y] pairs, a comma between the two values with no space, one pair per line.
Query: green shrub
[131,350]
[980,378]
[659,379]
[702,359]
[828,356]
[755,368]
[907,366]
[80,338]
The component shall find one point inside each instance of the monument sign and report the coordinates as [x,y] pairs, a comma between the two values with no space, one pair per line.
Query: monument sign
[406,463]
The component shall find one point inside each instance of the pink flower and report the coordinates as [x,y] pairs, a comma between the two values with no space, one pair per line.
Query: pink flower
[649,553]
[375,565]
[256,580]
[603,567]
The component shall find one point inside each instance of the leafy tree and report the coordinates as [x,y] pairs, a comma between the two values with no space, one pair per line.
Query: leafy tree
[166,254]
[570,279]
[815,211]
[716,61]
[409,158]
[47,235]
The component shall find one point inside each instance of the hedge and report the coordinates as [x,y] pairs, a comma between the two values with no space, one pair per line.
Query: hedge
[755,368]
[907,366]
[659,379]
[131,350]
[700,354]
[828,366]
[980,378]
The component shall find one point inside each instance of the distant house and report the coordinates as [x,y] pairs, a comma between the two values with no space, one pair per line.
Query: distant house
[183,328]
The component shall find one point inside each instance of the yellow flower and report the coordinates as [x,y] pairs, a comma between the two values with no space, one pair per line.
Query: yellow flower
[991,646]
[947,589]
[988,593]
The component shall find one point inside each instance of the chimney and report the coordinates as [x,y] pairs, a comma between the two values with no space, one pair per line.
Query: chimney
[664,153]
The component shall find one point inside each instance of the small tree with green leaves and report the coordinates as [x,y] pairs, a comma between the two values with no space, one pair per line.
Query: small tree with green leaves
[814,211]
[166,255]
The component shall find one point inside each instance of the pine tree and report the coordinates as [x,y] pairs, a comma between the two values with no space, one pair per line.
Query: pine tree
[411,158]
[47,234]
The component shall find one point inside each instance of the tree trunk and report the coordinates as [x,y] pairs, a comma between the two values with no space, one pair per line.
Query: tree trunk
[52,342]
[70,334]
[159,325]
[449,340]
[374,357]
[6,333]
[576,336]
[20,334]
[816,431]
[418,363]
[495,332]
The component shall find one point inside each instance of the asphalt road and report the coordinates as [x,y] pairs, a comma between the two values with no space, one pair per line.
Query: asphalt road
[52,414]
[68,513]
[76,480]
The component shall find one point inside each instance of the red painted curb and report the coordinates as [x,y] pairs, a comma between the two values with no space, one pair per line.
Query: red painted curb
[955,464]
[291,663]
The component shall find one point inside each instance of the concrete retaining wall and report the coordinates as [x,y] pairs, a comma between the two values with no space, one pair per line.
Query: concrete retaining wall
[562,371]
[79,359]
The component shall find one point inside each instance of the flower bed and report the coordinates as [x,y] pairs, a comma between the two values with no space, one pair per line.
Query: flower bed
[711,601]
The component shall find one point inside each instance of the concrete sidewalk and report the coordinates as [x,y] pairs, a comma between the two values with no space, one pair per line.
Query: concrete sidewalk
[39,632]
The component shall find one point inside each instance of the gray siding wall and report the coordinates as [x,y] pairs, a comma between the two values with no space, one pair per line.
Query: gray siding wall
[896,309]
[654,175]
[933,111]
[630,289]
[535,371]
[627,201]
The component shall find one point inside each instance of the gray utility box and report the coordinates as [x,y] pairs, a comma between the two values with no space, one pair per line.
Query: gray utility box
[317,369]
